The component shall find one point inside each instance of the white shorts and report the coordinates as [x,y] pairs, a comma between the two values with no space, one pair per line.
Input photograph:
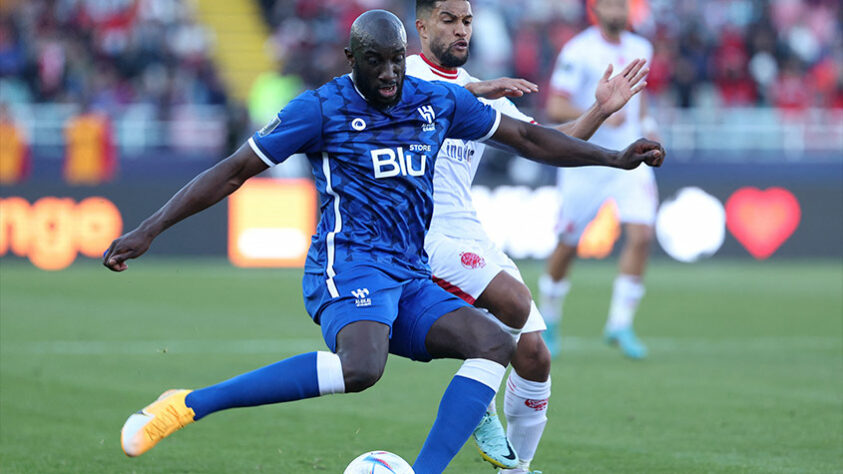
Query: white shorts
[585,189]
[465,267]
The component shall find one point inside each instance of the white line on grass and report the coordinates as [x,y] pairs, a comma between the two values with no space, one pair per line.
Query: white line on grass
[285,346]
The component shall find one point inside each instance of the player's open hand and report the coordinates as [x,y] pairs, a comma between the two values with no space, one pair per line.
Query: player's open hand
[642,150]
[131,245]
[612,94]
[501,87]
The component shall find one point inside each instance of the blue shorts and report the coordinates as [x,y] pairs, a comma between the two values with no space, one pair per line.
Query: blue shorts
[408,307]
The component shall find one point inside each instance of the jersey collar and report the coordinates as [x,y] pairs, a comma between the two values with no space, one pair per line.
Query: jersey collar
[439,70]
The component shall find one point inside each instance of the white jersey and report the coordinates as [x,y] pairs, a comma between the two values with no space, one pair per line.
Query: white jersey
[579,68]
[581,64]
[456,164]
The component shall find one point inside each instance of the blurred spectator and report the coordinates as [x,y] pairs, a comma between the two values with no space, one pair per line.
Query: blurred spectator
[14,150]
[90,155]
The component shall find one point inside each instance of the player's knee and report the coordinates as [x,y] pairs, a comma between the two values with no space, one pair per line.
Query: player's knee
[532,358]
[360,374]
[539,356]
[515,306]
[641,239]
[495,344]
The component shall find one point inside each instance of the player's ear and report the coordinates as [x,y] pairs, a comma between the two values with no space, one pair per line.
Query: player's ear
[420,27]
[349,56]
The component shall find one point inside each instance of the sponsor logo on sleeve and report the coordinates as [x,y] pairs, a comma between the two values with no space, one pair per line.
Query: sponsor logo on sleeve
[268,128]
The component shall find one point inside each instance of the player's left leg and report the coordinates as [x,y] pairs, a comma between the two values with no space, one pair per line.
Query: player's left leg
[637,199]
[472,269]
[527,396]
[628,290]
[435,324]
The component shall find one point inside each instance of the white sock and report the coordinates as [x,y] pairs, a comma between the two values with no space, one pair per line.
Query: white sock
[627,293]
[552,297]
[329,373]
[525,407]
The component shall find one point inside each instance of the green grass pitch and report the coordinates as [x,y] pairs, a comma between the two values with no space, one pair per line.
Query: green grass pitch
[745,373]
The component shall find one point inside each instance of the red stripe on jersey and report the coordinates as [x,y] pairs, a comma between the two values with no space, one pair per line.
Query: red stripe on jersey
[439,70]
[454,290]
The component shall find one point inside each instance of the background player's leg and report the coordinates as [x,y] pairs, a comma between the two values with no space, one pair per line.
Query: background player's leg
[362,348]
[553,288]
[628,290]
[527,395]
[463,334]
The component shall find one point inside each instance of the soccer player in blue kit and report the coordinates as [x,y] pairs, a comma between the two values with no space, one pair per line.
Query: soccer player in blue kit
[371,138]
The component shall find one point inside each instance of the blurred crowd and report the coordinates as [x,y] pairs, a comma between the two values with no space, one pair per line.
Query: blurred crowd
[783,53]
[733,53]
[105,54]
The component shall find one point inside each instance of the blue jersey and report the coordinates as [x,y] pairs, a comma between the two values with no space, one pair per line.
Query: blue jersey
[373,168]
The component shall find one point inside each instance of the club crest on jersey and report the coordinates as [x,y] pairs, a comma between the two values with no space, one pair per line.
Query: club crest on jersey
[361,296]
[427,113]
[471,260]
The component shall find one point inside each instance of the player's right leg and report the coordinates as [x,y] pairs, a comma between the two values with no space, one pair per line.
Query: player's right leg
[299,377]
[357,332]
[553,288]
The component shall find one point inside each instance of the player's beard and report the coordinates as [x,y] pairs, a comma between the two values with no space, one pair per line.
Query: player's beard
[615,26]
[446,57]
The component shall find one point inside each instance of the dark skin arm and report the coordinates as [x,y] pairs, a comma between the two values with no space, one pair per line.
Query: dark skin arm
[552,147]
[202,192]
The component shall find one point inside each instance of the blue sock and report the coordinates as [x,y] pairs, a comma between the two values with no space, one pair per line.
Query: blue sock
[460,411]
[291,379]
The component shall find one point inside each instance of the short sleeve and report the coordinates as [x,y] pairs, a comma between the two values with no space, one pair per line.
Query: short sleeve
[297,128]
[506,107]
[472,120]
[568,72]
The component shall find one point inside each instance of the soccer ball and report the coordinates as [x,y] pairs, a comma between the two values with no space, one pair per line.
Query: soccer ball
[379,462]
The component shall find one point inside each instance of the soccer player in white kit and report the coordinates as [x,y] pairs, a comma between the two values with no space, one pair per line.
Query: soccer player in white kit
[583,191]
[463,258]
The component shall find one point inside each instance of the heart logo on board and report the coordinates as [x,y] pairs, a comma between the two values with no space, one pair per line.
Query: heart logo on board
[762,220]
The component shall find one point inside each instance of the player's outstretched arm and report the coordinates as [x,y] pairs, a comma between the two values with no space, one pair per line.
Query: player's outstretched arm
[611,95]
[200,193]
[552,147]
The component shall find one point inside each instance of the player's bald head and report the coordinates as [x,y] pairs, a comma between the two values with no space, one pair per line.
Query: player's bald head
[377,28]
[376,52]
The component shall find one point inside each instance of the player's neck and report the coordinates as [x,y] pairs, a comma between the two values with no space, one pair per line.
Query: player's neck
[434,63]
[613,37]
